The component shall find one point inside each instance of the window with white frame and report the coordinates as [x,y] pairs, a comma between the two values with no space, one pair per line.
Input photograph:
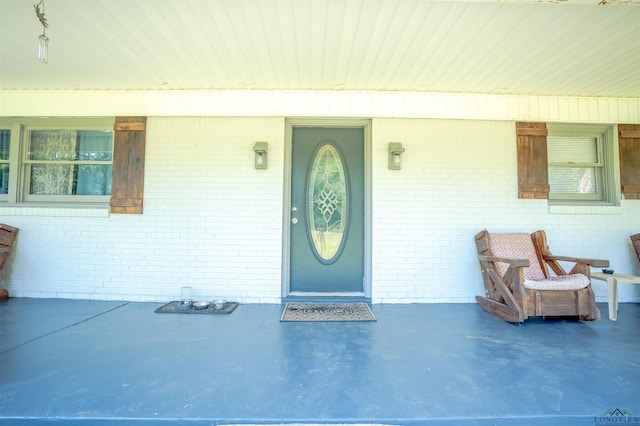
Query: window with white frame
[5,140]
[51,161]
[581,163]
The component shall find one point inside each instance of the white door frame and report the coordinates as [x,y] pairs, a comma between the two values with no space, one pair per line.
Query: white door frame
[286,214]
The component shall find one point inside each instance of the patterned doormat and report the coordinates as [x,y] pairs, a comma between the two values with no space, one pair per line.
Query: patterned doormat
[327,312]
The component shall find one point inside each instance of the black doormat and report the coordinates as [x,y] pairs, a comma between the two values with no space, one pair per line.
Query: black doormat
[177,308]
[327,312]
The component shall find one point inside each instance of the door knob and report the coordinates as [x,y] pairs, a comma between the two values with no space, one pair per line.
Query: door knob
[294,220]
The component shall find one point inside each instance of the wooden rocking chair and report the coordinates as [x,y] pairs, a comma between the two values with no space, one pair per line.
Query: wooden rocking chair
[518,284]
[8,236]
[635,240]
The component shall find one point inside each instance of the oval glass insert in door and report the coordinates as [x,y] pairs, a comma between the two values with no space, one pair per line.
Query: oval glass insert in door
[327,204]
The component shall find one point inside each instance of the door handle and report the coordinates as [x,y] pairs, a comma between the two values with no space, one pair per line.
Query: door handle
[294,220]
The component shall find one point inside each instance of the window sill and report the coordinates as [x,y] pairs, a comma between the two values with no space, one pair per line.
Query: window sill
[585,209]
[55,211]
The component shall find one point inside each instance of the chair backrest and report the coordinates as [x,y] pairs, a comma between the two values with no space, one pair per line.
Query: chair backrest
[7,240]
[518,246]
[635,240]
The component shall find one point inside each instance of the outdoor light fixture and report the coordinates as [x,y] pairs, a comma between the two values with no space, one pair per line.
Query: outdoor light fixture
[43,40]
[395,149]
[261,148]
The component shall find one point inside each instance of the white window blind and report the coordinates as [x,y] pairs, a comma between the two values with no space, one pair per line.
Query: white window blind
[573,164]
[572,149]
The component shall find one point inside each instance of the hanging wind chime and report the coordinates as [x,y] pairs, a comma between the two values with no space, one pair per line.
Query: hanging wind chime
[43,40]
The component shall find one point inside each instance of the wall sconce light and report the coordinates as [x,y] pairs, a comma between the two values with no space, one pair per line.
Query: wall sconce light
[395,149]
[261,148]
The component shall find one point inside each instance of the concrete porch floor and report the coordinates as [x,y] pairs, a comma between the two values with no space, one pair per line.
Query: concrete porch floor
[100,363]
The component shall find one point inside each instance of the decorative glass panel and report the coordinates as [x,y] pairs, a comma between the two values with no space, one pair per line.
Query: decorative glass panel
[327,204]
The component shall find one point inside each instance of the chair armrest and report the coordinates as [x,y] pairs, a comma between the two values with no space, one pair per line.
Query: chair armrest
[510,285]
[596,263]
[516,263]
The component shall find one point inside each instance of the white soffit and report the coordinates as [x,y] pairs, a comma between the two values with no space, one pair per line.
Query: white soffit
[575,48]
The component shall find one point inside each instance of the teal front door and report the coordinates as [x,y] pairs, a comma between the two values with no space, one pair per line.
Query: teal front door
[327,211]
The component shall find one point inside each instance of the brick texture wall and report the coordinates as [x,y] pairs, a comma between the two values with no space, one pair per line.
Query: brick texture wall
[213,222]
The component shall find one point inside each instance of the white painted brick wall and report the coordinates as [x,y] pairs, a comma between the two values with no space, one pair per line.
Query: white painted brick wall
[213,222]
[457,178]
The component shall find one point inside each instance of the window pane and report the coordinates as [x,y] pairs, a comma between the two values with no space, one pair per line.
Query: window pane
[51,179]
[578,180]
[567,149]
[65,145]
[52,145]
[95,145]
[4,178]
[65,179]
[93,179]
[5,138]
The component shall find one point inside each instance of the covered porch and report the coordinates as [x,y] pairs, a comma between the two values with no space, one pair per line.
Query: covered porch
[106,362]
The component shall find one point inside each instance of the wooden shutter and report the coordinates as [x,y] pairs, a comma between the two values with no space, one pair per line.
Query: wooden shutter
[629,146]
[127,183]
[533,173]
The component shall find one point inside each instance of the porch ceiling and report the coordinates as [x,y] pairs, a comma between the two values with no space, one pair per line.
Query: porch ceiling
[577,48]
